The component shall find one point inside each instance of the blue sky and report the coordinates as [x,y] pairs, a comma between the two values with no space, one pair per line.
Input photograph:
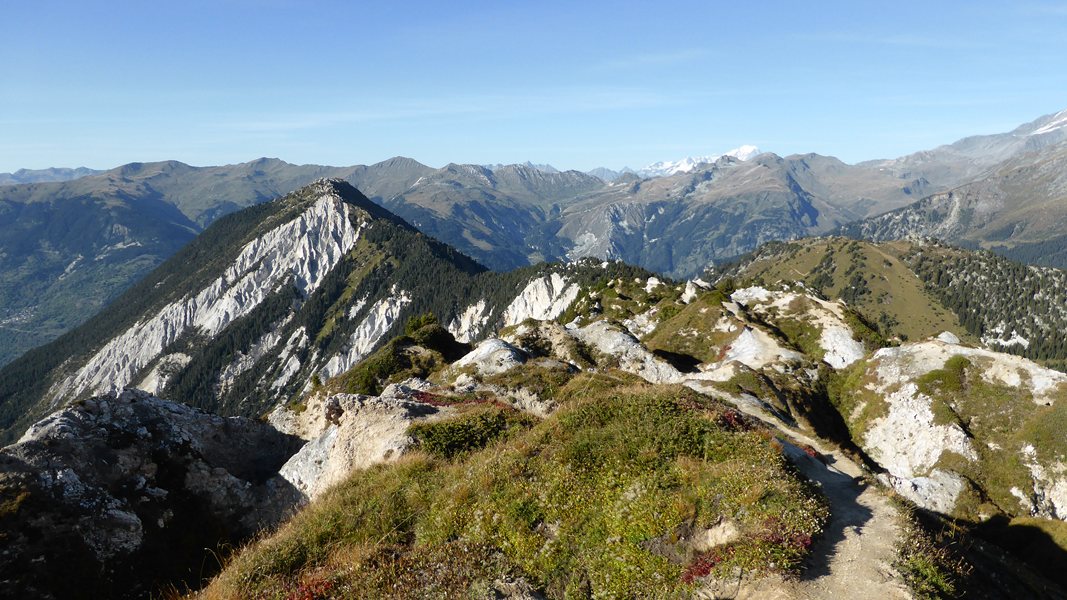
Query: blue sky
[578,85]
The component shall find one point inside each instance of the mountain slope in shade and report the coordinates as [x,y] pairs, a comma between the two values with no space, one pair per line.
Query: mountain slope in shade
[62,259]
[130,493]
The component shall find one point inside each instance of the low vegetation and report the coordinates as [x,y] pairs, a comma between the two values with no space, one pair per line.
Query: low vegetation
[469,431]
[545,381]
[873,279]
[930,556]
[424,348]
[596,500]
[695,330]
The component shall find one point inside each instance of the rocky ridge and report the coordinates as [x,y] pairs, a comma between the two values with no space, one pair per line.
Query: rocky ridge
[962,432]
[765,350]
[126,490]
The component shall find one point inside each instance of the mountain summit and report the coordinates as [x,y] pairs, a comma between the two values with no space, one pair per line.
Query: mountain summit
[271,300]
[685,165]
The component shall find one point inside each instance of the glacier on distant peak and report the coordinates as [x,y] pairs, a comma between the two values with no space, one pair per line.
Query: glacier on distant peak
[1058,121]
[685,165]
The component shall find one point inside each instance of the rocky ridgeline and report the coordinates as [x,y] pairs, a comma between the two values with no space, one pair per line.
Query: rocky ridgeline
[136,487]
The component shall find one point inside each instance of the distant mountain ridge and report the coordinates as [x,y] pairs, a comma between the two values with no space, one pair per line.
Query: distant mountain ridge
[45,175]
[546,168]
[70,247]
[1019,209]
[688,164]
[970,158]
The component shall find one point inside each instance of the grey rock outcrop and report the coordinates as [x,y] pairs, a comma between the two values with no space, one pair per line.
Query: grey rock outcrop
[120,494]
[348,432]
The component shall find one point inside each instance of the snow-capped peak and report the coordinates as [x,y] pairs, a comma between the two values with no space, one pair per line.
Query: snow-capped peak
[1059,121]
[685,165]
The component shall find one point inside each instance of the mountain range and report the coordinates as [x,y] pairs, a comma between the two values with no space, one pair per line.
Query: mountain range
[45,175]
[690,163]
[1015,207]
[382,415]
[73,246]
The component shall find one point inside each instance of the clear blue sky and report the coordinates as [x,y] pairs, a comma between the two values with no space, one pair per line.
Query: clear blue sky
[575,84]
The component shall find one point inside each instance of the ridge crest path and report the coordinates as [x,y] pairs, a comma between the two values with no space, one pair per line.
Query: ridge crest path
[854,557]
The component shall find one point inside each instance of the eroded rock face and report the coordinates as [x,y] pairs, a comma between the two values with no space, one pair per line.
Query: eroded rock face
[631,355]
[835,336]
[491,357]
[942,434]
[347,432]
[302,250]
[542,299]
[122,493]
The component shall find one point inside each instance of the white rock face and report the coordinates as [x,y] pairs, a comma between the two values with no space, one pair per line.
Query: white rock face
[157,377]
[643,324]
[841,349]
[356,432]
[559,340]
[692,290]
[948,337]
[492,356]
[632,356]
[835,338]
[290,363]
[651,284]
[914,360]
[355,308]
[243,362]
[1048,498]
[756,349]
[937,491]
[751,295]
[543,299]
[996,336]
[304,249]
[468,324]
[908,444]
[380,318]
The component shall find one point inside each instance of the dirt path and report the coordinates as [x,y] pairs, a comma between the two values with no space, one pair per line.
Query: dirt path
[854,558]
